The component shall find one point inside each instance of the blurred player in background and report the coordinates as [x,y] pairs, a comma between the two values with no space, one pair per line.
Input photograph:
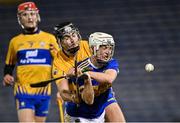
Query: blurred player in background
[30,51]
[103,70]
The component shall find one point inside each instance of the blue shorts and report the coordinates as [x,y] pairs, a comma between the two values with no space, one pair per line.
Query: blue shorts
[111,99]
[40,106]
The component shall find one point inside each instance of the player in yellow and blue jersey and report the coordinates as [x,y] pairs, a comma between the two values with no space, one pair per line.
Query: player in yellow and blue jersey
[72,47]
[30,52]
[102,71]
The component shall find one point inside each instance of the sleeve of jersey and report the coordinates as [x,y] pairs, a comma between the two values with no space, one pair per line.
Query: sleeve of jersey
[56,47]
[113,64]
[11,55]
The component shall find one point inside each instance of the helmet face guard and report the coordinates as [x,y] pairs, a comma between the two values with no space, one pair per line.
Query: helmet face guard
[98,39]
[66,29]
[27,6]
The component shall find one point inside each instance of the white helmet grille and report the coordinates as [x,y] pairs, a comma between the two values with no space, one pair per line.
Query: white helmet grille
[99,38]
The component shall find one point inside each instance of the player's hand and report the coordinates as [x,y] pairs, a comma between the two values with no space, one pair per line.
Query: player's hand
[70,96]
[84,76]
[71,73]
[87,94]
[8,80]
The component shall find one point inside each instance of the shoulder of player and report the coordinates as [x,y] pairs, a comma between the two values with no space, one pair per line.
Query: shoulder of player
[49,36]
[113,61]
[16,38]
[84,63]
[47,33]
[84,45]
[83,42]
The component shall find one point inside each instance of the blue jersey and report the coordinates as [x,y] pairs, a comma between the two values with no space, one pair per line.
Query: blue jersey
[100,102]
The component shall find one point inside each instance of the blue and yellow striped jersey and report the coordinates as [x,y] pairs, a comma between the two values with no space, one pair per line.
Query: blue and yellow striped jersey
[63,63]
[31,54]
[104,97]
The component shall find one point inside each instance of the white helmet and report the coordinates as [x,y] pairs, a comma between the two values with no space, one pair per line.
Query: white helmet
[100,38]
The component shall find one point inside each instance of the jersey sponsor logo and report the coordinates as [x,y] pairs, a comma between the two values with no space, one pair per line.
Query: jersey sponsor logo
[31,60]
[34,56]
[32,53]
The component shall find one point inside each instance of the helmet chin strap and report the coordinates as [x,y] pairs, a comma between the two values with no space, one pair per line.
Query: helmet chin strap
[101,62]
[97,62]
[72,51]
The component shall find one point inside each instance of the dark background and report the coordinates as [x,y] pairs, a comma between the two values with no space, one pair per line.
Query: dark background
[145,31]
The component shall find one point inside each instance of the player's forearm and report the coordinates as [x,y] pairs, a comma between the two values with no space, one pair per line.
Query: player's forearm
[66,95]
[8,72]
[88,92]
[63,89]
[107,77]
[69,96]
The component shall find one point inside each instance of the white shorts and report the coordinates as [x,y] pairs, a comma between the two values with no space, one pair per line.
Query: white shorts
[99,119]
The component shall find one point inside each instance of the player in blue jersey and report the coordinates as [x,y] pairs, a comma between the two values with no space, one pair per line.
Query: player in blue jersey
[30,52]
[99,72]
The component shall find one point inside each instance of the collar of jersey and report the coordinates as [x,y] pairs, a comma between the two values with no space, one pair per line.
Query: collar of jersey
[27,33]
